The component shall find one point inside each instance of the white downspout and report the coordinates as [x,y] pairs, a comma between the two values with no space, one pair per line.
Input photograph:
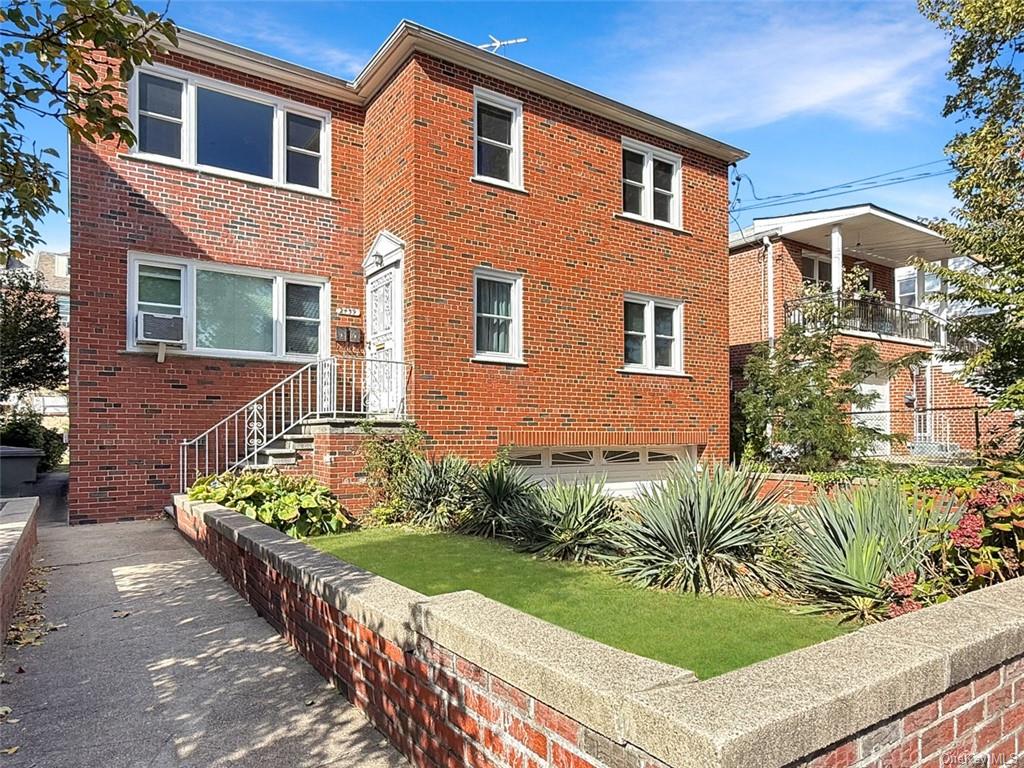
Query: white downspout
[769,255]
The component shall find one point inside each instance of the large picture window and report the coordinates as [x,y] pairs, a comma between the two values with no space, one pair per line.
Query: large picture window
[229,311]
[209,125]
[653,335]
[651,183]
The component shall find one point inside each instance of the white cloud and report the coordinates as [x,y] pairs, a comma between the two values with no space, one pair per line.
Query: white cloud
[267,33]
[754,64]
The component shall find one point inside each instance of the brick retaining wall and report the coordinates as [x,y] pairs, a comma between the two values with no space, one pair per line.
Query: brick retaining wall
[459,680]
[17,545]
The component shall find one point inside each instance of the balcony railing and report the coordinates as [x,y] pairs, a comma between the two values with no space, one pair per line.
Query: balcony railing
[869,315]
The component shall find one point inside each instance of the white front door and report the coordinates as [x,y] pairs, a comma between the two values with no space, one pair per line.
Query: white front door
[877,415]
[384,379]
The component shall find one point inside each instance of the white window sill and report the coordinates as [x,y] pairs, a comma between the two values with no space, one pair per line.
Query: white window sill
[496,359]
[498,183]
[141,157]
[655,372]
[241,356]
[651,222]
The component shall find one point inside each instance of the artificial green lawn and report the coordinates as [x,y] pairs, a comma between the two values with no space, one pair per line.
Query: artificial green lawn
[709,635]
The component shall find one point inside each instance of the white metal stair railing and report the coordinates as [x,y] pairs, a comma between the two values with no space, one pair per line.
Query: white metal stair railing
[328,388]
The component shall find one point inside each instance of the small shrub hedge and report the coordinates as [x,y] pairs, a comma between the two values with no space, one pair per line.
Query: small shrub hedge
[298,506]
[24,428]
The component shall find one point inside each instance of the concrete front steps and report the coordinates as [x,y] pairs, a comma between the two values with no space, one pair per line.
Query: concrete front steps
[290,449]
[331,450]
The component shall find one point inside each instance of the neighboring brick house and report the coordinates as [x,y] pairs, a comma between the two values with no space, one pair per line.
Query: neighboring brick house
[545,271]
[773,259]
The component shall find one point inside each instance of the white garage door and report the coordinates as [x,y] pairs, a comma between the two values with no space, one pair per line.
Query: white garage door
[624,469]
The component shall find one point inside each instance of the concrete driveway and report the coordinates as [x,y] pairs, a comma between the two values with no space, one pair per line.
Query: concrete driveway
[157,662]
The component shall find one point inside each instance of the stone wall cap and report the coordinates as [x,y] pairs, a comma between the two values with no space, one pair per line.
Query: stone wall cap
[376,602]
[581,677]
[16,516]
[787,707]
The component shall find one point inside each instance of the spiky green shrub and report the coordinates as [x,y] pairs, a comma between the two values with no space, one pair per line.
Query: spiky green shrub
[573,521]
[848,546]
[437,493]
[705,529]
[503,497]
[298,506]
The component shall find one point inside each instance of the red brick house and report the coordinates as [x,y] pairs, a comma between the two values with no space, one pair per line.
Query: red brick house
[452,238]
[773,259]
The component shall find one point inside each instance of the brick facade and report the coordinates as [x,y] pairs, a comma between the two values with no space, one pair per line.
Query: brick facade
[953,420]
[401,163]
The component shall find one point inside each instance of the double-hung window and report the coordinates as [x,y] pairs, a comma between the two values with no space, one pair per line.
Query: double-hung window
[213,126]
[653,335]
[231,311]
[651,183]
[497,310]
[498,138]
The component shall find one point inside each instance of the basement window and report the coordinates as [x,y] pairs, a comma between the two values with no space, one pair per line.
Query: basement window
[200,123]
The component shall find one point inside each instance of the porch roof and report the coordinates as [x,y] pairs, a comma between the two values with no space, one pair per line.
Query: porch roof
[869,233]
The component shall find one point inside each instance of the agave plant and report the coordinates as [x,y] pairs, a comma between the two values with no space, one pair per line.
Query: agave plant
[574,521]
[705,529]
[437,493]
[848,545]
[504,502]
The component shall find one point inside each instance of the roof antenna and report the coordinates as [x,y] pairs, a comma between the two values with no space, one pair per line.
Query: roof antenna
[496,45]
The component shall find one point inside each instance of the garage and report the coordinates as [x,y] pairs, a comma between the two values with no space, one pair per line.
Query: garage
[625,469]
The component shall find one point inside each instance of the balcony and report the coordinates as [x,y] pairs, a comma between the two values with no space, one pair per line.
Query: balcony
[875,317]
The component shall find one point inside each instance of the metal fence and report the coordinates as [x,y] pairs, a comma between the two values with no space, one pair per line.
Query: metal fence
[943,433]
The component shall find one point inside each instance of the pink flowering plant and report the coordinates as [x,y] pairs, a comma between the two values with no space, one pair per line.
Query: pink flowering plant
[983,546]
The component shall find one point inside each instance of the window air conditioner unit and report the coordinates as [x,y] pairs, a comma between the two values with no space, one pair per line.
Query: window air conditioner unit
[151,328]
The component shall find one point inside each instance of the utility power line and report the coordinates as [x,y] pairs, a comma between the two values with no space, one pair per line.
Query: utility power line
[844,189]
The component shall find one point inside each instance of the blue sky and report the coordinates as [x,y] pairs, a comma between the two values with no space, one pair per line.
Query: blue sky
[819,93]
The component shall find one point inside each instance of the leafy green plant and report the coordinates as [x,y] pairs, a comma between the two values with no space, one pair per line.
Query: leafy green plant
[389,454]
[24,428]
[437,493]
[848,546]
[705,529]
[503,497]
[298,506]
[573,521]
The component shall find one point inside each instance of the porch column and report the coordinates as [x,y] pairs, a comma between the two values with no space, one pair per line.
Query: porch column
[836,243]
[919,273]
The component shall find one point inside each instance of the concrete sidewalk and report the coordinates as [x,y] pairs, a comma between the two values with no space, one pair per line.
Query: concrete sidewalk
[163,665]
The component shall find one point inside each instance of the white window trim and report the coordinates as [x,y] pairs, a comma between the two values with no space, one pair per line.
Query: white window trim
[188,268]
[190,83]
[482,95]
[515,346]
[652,153]
[678,349]
[819,259]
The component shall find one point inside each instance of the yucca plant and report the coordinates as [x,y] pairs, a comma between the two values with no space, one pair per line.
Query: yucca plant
[574,521]
[705,529]
[504,501]
[437,493]
[848,545]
